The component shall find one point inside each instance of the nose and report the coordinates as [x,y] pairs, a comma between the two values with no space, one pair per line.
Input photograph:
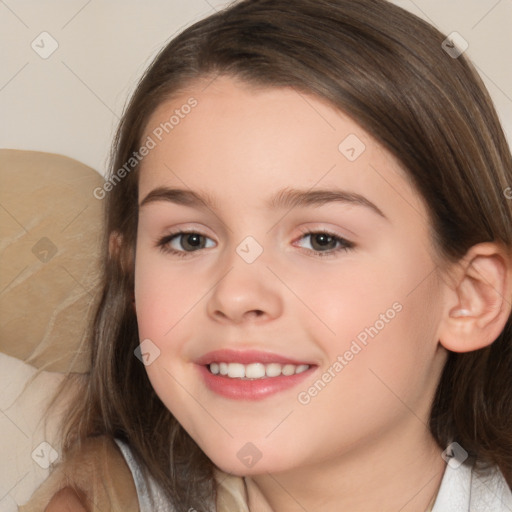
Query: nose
[245,293]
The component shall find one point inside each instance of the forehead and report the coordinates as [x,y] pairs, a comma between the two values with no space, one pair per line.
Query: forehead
[228,137]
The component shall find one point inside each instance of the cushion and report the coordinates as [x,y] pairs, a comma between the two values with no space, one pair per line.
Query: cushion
[50,234]
[28,445]
[50,231]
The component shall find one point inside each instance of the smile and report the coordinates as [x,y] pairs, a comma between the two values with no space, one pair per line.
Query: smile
[255,370]
[251,374]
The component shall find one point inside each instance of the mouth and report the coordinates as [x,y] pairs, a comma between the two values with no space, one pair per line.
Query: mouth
[256,370]
[251,375]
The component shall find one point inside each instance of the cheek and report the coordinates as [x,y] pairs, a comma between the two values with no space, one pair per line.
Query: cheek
[383,315]
[356,299]
[163,300]
[379,368]
[163,296]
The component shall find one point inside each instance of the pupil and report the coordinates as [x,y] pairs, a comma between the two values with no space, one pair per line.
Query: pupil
[193,240]
[322,240]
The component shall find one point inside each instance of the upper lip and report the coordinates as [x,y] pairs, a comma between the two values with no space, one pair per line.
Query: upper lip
[246,357]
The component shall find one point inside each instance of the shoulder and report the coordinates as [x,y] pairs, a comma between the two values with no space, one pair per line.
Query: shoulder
[490,491]
[67,500]
[464,487]
[98,469]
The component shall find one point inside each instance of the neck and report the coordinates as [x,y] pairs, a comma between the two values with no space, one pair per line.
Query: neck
[402,472]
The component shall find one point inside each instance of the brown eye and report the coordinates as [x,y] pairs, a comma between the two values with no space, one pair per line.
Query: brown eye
[183,242]
[323,241]
[192,241]
[326,244]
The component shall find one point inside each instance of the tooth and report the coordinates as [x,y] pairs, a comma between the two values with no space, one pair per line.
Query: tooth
[273,369]
[288,369]
[255,371]
[236,370]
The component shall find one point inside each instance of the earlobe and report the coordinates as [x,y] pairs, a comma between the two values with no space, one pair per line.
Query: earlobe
[120,253]
[478,304]
[457,313]
[116,252]
[114,244]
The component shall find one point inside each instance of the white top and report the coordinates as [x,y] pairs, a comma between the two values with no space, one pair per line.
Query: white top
[143,492]
[461,490]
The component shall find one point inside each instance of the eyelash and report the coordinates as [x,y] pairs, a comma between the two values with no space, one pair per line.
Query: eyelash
[346,246]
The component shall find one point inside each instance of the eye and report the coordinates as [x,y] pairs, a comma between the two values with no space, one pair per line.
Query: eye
[324,243]
[183,242]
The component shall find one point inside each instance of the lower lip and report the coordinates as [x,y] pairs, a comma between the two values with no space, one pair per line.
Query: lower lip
[251,389]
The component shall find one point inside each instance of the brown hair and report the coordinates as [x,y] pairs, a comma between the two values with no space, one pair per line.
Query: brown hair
[386,69]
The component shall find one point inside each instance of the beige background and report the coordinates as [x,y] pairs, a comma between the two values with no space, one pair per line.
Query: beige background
[70,102]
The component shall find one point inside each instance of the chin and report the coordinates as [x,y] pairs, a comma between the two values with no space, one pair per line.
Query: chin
[248,461]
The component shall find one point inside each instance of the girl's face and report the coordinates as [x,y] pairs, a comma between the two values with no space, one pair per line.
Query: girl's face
[306,266]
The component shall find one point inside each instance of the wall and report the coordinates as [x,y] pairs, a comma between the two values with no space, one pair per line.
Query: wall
[70,102]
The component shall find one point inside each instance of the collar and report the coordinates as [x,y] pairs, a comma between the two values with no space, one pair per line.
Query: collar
[464,489]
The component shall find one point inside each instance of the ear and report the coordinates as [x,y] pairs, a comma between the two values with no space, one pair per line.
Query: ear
[478,300]
[115,240]
[117,251]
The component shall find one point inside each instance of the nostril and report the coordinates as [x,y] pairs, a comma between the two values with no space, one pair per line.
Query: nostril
[253,314]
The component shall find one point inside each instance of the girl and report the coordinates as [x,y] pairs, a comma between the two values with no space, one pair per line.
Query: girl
[307,276]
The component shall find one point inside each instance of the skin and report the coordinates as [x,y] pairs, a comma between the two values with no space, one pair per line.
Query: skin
[362,443]
[66,500]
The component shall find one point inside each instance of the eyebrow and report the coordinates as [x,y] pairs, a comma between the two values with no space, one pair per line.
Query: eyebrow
[284,199]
